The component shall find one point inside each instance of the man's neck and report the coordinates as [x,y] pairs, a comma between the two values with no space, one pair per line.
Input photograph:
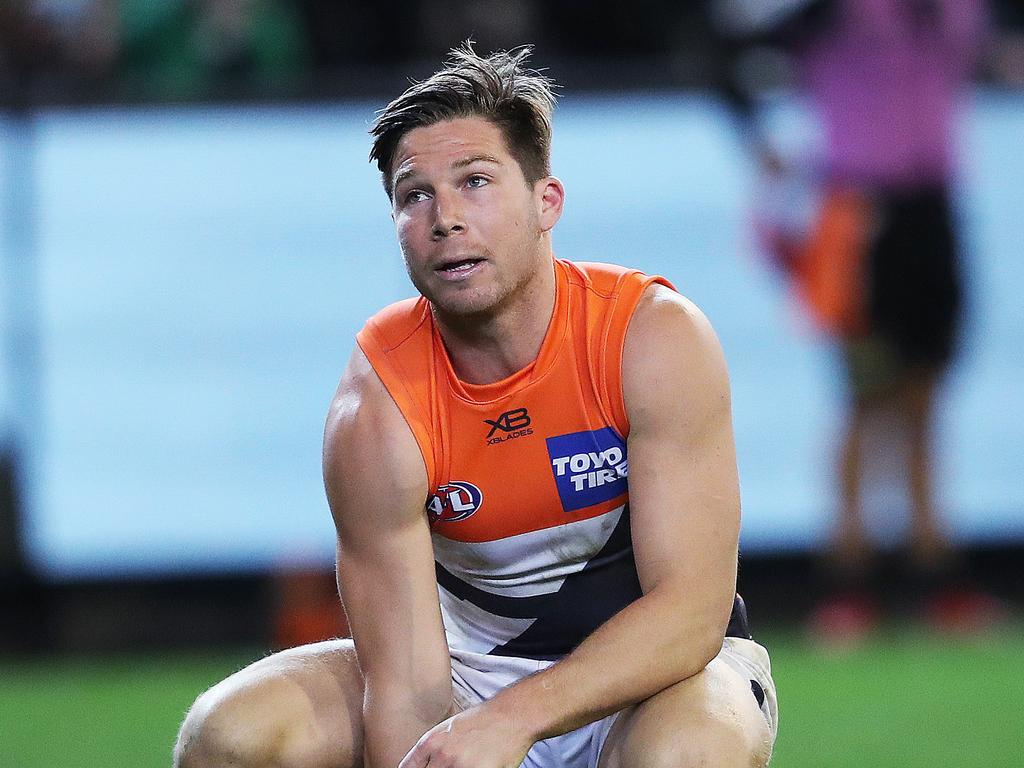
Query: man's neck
[488,348]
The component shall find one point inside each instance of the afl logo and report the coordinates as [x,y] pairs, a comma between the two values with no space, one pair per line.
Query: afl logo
[453,502]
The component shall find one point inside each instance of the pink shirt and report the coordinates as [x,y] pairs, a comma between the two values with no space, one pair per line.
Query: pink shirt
[886,84]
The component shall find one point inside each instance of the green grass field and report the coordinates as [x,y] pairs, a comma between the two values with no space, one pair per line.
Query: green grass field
[907,700]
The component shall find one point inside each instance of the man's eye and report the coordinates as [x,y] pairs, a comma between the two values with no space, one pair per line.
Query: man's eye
[476,181]
[415,196]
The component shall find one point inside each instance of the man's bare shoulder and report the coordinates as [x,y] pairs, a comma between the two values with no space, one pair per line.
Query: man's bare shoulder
[672,355]
[664,312]
[369,449]
[360,396]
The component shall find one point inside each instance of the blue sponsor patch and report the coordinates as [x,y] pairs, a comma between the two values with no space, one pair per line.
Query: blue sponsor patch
[589,467]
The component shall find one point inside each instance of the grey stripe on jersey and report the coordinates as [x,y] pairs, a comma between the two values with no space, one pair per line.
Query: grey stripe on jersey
[533,563]
[562,605]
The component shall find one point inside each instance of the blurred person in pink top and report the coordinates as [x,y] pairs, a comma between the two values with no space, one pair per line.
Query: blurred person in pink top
[879,268]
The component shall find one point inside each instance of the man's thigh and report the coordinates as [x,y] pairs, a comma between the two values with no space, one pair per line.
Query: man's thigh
[301,707]
[713,718]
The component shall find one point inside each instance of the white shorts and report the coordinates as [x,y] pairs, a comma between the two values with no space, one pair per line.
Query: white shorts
[477,677]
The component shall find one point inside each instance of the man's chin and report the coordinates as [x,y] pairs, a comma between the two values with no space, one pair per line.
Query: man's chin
[463,304]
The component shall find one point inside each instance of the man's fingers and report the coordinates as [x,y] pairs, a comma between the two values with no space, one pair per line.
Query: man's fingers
[417,757]
[412,760]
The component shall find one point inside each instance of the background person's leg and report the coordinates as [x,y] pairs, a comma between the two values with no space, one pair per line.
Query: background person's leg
[929,547]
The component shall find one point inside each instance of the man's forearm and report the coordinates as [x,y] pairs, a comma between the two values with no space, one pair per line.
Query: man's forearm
[645,648]
[391,728]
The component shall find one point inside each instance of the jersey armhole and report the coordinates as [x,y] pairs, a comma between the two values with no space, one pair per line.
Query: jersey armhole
[397,384]
[630,290]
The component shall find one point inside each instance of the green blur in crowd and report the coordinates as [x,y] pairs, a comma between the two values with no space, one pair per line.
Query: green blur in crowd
[193,49]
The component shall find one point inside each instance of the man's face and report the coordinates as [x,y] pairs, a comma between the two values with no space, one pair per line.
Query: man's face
[469,224]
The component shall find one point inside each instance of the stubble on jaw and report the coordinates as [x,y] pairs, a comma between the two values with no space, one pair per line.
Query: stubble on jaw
[446,301]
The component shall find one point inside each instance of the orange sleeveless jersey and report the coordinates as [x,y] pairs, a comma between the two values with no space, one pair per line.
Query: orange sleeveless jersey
[529,509]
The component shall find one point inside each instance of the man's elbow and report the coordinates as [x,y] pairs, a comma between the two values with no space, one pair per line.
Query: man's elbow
[702,630]
[707,645]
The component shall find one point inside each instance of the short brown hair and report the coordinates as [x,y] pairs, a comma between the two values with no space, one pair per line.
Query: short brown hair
[497,88]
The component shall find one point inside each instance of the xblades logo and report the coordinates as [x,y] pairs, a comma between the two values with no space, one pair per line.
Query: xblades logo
[509,421]
[513,424]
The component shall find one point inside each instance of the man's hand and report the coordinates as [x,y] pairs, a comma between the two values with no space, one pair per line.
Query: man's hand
[477,738]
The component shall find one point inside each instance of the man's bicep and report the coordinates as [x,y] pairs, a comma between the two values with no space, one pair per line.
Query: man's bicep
[683,483]
[376,485]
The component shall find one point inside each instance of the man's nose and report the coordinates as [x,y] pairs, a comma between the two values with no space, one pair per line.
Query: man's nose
[448,217]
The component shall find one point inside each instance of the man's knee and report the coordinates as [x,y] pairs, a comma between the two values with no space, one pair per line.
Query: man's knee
[730,743]
[298,709]
[718,743]
[228,728]
[710,719]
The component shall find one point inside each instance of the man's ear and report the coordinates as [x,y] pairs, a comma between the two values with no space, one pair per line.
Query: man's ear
[550,197]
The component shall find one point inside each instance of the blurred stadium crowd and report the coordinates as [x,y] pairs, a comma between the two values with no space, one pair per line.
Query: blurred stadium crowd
[98,51]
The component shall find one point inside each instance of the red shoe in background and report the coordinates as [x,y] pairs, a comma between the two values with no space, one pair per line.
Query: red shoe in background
[844,620]
[964,610]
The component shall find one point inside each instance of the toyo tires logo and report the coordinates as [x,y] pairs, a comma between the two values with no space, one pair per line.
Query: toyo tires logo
[589,467]
[453,502]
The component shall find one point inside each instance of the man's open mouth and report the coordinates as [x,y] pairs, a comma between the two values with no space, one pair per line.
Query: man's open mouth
[459,266]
